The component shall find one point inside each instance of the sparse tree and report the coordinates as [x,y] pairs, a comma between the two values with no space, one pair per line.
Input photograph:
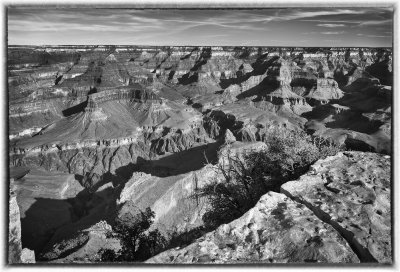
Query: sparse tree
[137,243]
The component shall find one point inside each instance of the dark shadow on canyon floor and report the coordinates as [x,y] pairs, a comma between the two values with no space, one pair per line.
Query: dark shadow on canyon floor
[52,220]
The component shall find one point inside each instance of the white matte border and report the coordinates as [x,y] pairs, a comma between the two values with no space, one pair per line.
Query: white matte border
[199,4]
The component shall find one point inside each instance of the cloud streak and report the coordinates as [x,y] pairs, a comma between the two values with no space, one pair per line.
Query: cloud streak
[332,32]
[331,25]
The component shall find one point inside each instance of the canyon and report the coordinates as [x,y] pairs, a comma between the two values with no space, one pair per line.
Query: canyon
[94,129]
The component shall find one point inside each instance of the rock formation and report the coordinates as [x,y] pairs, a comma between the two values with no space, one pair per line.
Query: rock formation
[16,254]
[276,230]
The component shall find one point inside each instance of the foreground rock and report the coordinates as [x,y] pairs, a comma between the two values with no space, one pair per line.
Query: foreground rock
[16,254]
[338,212]
[351,192]
[276,230]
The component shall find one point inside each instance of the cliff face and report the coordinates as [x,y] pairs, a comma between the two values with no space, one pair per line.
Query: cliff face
[338,212]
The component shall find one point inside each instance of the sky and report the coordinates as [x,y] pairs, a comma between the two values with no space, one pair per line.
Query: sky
[332,27]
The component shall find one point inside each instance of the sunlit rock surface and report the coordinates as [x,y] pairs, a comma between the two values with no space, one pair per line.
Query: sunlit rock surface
[16,254]
[276,230]
[351,191]
[337,212]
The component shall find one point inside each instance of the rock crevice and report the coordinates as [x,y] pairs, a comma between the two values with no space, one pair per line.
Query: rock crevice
[350,191]
[362,253]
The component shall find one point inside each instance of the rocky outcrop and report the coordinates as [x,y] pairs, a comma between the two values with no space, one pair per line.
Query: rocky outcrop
[276,230]
[177,140]
[285,96]
[327,89]
[16,254]
[351,192]
[338,212]
[246,122]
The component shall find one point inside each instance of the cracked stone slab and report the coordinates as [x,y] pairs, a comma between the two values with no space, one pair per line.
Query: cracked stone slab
[276,230]
[351,191]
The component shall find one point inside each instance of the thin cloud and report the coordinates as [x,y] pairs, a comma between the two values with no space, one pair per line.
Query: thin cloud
[311,14]
[378,36]
[331,21]
[375,22]
[331,25]
[332,32]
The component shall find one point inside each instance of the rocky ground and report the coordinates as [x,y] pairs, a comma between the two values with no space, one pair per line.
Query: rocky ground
[339,212]
[94,127]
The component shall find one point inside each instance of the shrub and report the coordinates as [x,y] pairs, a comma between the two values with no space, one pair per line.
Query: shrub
[250,175]
[137,243]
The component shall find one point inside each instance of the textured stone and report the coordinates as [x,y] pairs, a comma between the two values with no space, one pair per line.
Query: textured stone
[351,191]
[276,230]
[27,256]
[14,238]
[16,254]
